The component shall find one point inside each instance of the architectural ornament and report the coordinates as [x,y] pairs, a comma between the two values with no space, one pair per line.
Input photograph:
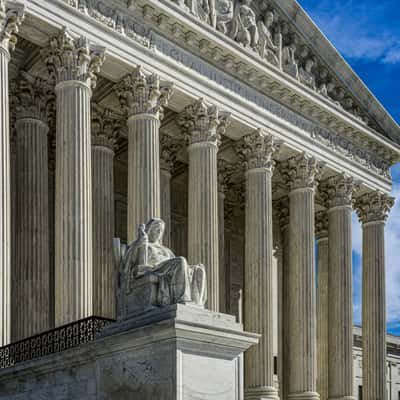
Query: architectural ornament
[70,59]
[11,16]
[105,127]
[339,190]
[256,150]
[267,48]
[225,171]
[168,151]
[146,259]
[321,224]
[282,209]
[373,207]
[223,15]
[301,170]
[143,94]
[32,97]
[244,26]
[203,123]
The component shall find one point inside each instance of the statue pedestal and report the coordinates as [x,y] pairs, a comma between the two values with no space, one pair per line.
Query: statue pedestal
[177,352]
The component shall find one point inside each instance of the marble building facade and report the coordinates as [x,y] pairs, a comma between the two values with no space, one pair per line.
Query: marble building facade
[239,125]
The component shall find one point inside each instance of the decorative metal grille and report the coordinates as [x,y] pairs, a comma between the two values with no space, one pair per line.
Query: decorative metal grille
[53,341]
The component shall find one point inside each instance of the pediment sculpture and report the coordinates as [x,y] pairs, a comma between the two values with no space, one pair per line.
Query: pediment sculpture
[152,276]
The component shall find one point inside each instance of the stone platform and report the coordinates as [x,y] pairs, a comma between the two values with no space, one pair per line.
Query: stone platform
[176,352]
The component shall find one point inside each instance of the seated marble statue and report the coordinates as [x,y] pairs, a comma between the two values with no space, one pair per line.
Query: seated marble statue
[178,282]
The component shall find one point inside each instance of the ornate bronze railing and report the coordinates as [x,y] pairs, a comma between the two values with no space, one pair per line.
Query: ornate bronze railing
[52,341]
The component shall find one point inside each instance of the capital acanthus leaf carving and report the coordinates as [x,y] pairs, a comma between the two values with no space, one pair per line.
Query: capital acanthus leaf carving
[12,15]
[373,207]
[201,122]
[339,190]
[73,59]
[139,93]
[282,210]
[301,171]
[105,127]
[321,224]
[168,150]
[257,149]
[225,171]
[235,199]
[32,97]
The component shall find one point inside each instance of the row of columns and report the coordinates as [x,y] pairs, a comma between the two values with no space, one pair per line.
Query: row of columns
[74,63]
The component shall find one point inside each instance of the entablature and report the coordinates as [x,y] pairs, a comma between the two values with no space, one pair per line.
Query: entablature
[352,147]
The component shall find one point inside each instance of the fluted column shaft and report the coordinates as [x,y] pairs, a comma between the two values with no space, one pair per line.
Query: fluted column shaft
[373,209]
[258,284]
[221,252]
[302,345]
[104,271]
[73,214]
[374,311]
[322,308]
[203,239]
[257,150]
[32,258]
[143,171]
[165,183]
[5,208]
[340,303]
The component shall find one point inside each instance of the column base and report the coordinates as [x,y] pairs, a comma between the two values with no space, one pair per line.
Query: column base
[261,393]
[303,396]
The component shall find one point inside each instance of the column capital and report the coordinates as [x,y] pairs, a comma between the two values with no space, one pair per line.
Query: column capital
[202,123]
[339,190]
[143,94]
[73,59]
[105,127]
[256,150]
[321,225]
[373,207]
[225,171]
[168,150]
[12,15]
[301,171]
[32,97]
[282,209]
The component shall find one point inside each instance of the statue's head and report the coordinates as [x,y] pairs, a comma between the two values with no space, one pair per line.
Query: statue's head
[155,230]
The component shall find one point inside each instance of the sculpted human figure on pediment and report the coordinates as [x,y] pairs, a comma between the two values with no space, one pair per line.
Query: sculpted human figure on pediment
[306,74]
[244,27]
[267,48]
[224,14]
[289,61]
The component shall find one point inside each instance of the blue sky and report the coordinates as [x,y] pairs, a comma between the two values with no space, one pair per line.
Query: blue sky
[367,34]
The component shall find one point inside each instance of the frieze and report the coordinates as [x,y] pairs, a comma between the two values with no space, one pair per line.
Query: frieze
[323,136]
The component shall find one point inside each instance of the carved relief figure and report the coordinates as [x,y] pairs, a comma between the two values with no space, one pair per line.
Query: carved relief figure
[289,62]
[306,74]
[178,282]
[244,26]
[203,9]
[267,48]
[224,14]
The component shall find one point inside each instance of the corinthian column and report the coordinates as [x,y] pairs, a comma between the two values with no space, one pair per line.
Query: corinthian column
[321,235]
[203,125]
[373,209]
[104,134]
[302,344]
[256,151]
[32,222]
[143,98]
[73,63]
[167,160]
[339,191]
[11,16]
